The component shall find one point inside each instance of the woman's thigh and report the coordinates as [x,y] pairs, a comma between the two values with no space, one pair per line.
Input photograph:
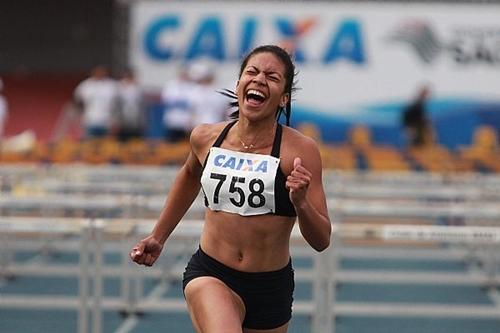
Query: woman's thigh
[213,307]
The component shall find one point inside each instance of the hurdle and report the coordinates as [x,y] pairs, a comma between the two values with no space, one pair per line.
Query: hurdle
[325,274]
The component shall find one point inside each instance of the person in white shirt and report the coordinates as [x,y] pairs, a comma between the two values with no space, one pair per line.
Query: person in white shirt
[96,97]
[131,111]
[209,106]
[177,97]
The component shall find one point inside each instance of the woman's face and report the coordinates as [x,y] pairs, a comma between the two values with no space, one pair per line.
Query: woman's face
[261,87]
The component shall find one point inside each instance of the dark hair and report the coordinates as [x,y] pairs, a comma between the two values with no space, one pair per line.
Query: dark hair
[290,83]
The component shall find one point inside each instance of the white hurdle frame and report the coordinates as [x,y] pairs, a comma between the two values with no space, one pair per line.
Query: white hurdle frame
[323,309]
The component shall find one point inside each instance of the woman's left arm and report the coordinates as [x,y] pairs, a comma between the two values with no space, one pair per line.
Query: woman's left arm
[308,196]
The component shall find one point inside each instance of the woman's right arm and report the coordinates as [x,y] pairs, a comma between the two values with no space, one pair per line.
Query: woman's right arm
[184,191]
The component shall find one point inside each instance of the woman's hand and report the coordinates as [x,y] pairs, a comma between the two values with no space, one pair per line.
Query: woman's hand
[298,182]
[146,251]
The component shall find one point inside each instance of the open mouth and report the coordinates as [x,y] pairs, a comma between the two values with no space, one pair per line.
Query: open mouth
[255,97]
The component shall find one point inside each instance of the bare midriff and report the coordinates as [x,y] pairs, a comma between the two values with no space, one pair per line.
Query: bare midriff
[247,243]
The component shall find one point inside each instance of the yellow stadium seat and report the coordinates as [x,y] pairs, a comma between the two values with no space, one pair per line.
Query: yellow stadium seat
[484,149]
[360,136]
[310,130]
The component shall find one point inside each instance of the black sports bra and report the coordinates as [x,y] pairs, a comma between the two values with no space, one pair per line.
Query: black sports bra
[282,204]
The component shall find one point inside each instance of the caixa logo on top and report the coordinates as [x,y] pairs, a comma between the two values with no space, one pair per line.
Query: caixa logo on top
[209,38]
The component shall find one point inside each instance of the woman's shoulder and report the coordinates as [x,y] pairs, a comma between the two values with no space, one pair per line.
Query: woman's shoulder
[295,144]
[205,134]
[294,138]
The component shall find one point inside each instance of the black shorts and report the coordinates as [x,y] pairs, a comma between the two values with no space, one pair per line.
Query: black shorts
[267,296]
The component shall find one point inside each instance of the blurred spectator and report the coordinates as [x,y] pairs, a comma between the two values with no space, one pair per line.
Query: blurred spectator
[96,98]
[415,121]
[20,143]
[131,111]
[3,111]
[191,99]
[209,106]
[177,96]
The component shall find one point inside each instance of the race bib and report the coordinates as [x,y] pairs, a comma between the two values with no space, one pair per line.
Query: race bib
[241,183]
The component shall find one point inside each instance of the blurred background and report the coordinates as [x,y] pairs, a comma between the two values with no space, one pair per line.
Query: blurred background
[360,63]
[97,100]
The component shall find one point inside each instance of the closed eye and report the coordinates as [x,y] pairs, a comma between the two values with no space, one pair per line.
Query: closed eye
[274,78]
